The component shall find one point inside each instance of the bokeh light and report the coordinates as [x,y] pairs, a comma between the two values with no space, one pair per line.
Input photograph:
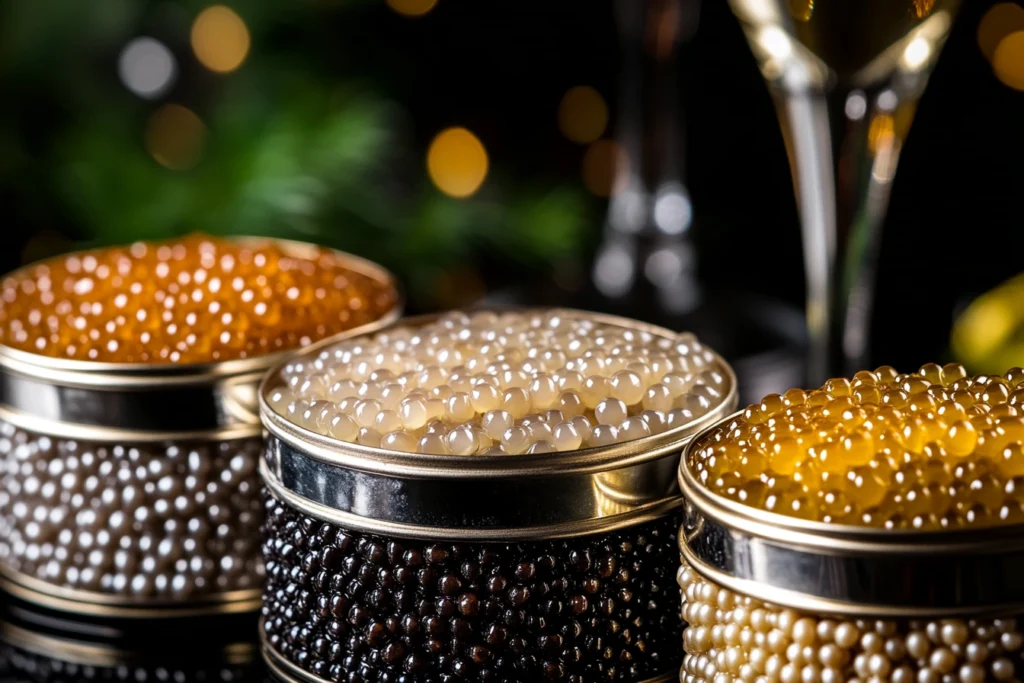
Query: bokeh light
[175,137]
[801,10]
[220,39]
[999,21]
[147,67]
[881,132]
[1008,60]
[673,210]
[412,8]
[922,8]
[457,162]
[986,336]
[582,114]
[604,165]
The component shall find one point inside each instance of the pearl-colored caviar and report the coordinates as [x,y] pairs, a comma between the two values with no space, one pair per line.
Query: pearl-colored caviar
[196,299]
[510,383]
[928,450]
[731,637]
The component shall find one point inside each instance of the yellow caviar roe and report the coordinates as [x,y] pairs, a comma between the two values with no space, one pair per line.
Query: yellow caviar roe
[929,450]
[192,300]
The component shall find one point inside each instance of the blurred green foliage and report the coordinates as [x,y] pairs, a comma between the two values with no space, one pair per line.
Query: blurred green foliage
[291,151]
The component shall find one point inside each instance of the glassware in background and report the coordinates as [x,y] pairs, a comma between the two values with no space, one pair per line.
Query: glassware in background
[846,76]
[646,247]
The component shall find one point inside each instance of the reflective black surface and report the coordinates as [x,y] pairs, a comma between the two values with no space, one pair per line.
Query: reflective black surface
[41,646]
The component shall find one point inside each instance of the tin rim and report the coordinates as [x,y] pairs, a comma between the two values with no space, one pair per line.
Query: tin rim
[113,401]
[124,375]
[551,495]
[285,670]
[846,569]
[584,460]
[93,604]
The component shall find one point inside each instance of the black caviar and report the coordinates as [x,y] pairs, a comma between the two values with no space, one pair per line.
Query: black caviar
[361,608]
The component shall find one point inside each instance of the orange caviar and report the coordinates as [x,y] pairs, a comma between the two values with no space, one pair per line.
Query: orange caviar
[192,300]
[929,450]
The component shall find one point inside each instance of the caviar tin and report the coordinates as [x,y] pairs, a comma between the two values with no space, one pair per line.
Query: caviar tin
[131,489]
[773,597]
[37,646]
[397,566]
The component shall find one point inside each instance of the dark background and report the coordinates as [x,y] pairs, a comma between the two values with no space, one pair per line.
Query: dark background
[344,97]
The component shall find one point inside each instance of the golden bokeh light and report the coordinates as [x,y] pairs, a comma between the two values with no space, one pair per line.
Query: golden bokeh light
[881,132]
[175,137]
[582,114]
[922,8]
[220,39]
[986,335]
[801,10]
[412,8]
[999,21]
[604,165]
[457,162]
[1008,60]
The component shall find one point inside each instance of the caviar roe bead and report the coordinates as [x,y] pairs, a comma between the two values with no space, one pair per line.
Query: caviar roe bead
[196,299]
[934,449]
[504,384]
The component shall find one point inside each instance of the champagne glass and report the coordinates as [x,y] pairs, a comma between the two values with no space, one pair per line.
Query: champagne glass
[646,254]
[845,76]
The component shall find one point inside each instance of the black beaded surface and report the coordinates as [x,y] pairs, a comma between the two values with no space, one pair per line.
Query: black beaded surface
[360,608]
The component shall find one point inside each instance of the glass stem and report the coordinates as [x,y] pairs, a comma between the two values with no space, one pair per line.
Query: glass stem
[843,151]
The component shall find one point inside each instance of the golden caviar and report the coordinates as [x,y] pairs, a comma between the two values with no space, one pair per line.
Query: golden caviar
[192,300]
[929,450]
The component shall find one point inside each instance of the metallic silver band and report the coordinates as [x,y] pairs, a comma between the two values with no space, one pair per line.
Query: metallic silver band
[88,603]
[143,402]
[487,498]
[848,570]
[486,510]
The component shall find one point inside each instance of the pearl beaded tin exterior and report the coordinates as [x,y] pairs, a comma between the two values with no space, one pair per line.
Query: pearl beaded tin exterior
[800,593]
[387,564]
[131,488]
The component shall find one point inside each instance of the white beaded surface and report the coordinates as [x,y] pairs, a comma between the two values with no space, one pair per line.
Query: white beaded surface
[509,383]
[170,521]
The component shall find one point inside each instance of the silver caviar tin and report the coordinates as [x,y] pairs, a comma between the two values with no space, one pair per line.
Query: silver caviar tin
[768,597]
[396,566]
[131,490]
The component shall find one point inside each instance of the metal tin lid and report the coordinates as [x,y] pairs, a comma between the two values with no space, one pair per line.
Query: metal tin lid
[152,402]
[478,497]
[843,569]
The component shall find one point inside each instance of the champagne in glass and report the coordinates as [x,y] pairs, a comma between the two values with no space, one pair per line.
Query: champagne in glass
[845,76]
